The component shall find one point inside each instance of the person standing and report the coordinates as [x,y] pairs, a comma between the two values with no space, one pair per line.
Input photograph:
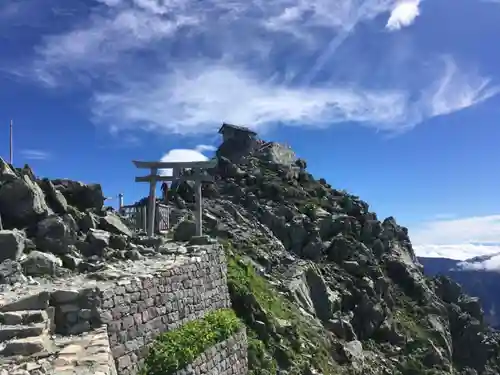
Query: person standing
[164,191]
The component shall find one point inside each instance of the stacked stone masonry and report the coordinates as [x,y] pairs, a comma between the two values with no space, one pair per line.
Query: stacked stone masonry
[226,358]
[137,312]
[132,302]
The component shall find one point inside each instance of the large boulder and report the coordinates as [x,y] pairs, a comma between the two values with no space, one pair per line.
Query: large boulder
[11,244]
[56,234]
[185,230]
[22,203]
[7,174]
[368,317]
[87,222]
[325,300]
[98,241]
[40,264]
[113,224]
[80,195]
[54,197]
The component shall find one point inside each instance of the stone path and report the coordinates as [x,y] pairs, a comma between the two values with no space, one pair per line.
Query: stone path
[85,354]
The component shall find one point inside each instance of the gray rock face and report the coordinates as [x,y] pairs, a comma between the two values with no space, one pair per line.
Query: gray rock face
[56,234]
[325,301]
[54,198]
[185,231]
[22,202]
[342,328]
[6,172]
[352,352]
[80,195]
[113,224]
[41,264]
[88,221]
[98,241]
[11,244]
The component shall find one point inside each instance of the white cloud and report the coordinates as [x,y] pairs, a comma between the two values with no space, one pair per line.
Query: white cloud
[188,84]
[404,14]
[183,155]
[199,101]
[196,99]
[486,263]
[35,154]
[459,239]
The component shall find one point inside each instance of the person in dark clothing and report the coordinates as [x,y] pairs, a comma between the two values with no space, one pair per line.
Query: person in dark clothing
[164,191]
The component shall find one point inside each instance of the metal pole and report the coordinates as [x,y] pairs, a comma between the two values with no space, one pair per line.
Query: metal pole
[120,202]
[11,158]
[152,203]
[198,207]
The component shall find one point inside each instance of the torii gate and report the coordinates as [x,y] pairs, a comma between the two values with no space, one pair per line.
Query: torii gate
[154,177]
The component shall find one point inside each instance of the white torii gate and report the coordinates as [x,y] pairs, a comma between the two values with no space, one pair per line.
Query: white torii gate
[154,177]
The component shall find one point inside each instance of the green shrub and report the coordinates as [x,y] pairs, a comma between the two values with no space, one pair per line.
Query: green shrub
[174,350]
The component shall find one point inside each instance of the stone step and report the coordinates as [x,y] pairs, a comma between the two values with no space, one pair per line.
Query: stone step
[23,317]
[27,346]
[9,332]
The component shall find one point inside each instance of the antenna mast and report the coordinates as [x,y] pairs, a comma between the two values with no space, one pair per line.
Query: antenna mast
[11,160]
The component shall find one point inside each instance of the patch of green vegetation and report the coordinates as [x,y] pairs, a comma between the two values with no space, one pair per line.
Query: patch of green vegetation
[414,366]
[279,335]
[309,209]
[410,325]
[175,349]
[410,317]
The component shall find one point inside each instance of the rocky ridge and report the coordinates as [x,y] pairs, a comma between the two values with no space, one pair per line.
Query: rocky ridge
[329,287]
[323,285]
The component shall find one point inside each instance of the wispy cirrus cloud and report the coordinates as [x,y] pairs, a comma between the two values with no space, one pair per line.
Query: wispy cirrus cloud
[184,66]
[30,154]
[201,97]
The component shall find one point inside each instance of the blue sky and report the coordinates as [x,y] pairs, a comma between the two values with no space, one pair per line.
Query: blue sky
[395,101]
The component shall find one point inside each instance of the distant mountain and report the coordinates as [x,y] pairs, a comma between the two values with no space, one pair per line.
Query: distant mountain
[479,277]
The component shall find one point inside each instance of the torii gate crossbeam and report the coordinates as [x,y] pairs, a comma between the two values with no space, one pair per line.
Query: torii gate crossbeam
[154,177]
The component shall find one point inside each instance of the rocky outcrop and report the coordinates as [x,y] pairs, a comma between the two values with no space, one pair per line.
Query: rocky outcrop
[50,228]
[342,271]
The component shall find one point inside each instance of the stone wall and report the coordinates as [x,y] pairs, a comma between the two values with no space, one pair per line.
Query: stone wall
[137,311]
[135,301]
[226,358]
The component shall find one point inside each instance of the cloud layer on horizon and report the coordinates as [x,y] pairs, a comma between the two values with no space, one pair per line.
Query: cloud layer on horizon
[249,62]
[458,239]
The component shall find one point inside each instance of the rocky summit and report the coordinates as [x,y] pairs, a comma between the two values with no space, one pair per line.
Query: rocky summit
[322,284]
